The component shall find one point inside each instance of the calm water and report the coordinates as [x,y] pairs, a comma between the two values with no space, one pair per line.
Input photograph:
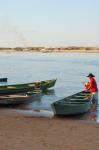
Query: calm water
[69,69]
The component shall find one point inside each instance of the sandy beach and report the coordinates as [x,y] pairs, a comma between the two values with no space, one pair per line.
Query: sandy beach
[35,133]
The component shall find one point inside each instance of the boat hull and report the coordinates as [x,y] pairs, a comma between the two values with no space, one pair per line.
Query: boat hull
[19,88]
[72,105]
[13,90]
[15,99]
[71,109]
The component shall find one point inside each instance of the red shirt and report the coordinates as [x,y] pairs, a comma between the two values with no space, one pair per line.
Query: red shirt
[93,84]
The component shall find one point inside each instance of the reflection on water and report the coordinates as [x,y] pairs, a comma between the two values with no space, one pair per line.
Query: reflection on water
[40,106]
[41,101]
[94,115]
[36,113]
[69,69]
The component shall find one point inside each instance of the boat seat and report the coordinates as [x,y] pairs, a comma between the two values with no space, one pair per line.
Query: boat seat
[80,95]
[11,87]
[31,84]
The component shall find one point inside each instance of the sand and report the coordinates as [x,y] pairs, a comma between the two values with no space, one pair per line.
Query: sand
[37,133]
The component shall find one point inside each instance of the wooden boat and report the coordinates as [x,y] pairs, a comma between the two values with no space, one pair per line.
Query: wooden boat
[44,85]
[15,99]
[18,88]
[3,79]
[75,104]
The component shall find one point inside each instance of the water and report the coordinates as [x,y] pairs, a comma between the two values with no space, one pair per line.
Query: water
[70,69]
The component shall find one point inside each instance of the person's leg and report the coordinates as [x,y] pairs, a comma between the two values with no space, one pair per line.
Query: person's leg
[95,100]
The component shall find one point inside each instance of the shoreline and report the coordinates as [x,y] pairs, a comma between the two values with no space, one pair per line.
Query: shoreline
[54,50]
[74,51]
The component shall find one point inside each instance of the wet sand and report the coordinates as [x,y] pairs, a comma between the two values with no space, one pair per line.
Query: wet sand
[37,133]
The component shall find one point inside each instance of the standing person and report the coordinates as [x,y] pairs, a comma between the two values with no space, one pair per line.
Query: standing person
[93,89]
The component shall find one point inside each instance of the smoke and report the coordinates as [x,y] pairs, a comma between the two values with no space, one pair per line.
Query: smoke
[11,35]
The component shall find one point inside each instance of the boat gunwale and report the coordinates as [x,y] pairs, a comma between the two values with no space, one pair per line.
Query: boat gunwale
[24,84]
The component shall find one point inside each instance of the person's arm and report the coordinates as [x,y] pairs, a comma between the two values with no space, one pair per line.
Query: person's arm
[87,86]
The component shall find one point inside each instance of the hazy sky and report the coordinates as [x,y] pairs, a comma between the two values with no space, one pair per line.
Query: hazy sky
[49,23]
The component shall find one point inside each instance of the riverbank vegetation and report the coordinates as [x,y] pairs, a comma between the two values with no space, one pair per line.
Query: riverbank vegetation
[51,49]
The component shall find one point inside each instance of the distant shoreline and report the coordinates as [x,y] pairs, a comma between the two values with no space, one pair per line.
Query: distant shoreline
[52,50]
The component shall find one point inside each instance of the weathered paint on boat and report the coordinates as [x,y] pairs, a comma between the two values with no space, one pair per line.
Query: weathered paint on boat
[15,99]
[47,84]
[17,88]
[75,104]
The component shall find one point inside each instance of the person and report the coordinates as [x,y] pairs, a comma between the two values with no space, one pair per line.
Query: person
[92,86]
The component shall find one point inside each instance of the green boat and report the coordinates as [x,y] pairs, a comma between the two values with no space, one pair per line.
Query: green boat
[75,104]
[26,87]
[44,85]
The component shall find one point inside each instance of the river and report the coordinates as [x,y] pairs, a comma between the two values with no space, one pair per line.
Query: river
[70,69]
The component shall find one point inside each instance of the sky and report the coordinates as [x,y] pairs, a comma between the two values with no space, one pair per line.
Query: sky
[49,23]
